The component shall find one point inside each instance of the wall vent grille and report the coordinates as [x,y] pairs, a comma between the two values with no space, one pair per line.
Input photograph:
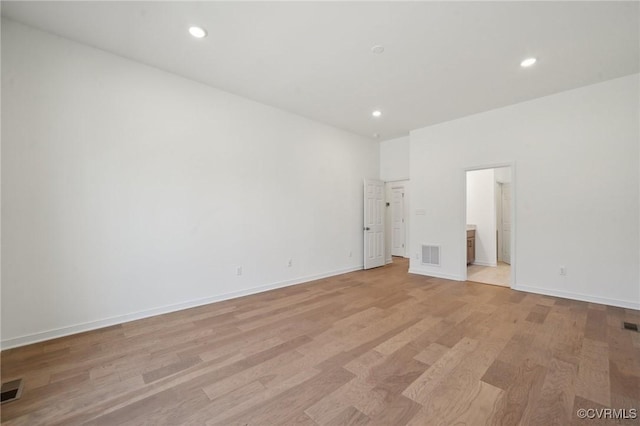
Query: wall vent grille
[430,255]
[11,390]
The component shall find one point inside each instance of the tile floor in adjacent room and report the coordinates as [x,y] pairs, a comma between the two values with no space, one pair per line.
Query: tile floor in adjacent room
[496,275]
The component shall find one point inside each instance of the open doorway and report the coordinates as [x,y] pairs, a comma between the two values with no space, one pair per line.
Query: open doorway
[489,225]
[397,220]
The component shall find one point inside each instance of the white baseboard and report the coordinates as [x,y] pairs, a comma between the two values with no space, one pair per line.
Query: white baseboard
[578,296]
[93,325]
[483,263]
[545,291]
[435,274]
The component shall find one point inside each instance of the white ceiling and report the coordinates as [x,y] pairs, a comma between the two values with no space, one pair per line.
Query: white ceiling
[442,60]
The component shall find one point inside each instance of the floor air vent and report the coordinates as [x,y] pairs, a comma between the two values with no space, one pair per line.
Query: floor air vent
[630,326]
[431,255]
[11,391]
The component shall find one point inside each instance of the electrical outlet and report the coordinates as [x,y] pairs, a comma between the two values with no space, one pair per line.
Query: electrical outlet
[239,270]
[290,264]
[350,254]
[563,270]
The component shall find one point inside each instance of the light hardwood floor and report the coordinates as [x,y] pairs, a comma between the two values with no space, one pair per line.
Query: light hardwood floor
[370,347]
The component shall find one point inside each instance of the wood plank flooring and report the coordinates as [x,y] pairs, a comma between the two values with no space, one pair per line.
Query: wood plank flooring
[378,347]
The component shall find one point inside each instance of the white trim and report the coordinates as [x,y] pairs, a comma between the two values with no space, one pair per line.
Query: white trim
[578,296]
[388,261]
[546,292]
[397,180]
[482,263]
[498,198]
[418,271]
[93,325]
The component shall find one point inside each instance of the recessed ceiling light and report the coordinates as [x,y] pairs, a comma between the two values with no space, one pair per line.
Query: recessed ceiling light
[528,62]
[377,49]
[197,32]
[376,113]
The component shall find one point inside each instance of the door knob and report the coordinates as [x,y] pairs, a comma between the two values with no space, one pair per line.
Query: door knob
[367,229]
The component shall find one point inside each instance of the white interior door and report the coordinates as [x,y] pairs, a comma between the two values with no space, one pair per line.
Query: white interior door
[373,223]
[506,223]
[397,222]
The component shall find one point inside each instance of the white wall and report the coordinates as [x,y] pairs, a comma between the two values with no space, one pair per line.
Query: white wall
[576,183]
[503,174]
[394,169]
[394,159]
[481,212]
[128,191]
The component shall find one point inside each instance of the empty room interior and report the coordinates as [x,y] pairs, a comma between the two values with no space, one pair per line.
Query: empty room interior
[320,213]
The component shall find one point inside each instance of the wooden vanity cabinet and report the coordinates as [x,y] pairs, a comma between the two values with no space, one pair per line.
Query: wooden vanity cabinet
[471,247]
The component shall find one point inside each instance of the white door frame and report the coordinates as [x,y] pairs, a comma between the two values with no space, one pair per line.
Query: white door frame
[498,198]
[463,225]
[502,216]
